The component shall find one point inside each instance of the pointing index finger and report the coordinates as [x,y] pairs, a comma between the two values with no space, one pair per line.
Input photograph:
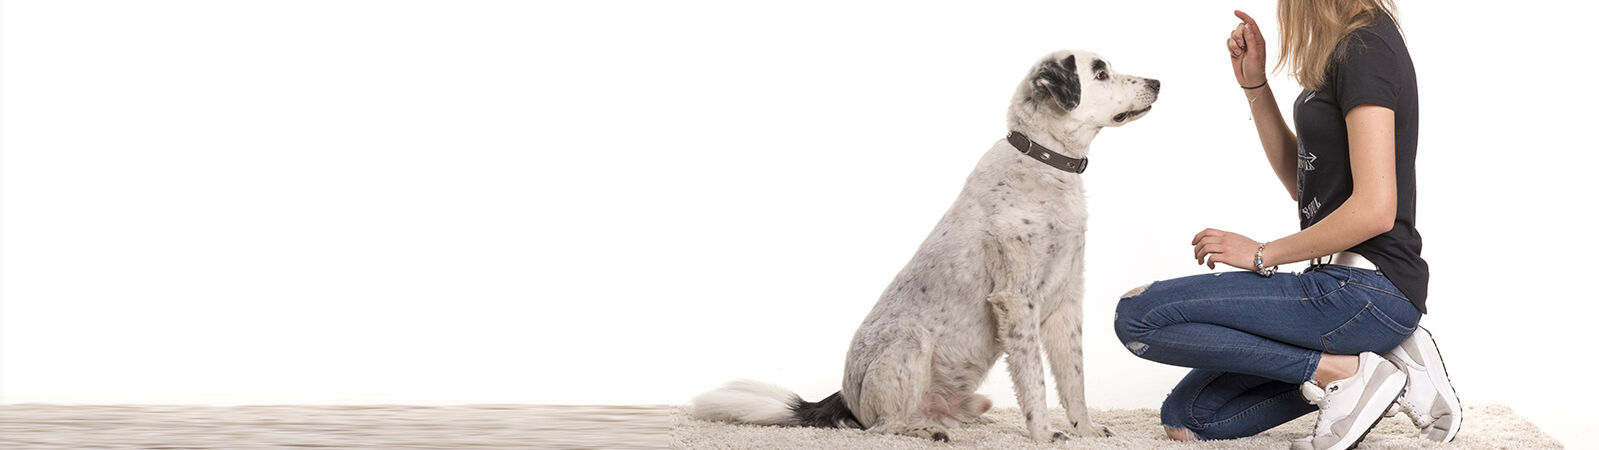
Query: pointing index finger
[1246,19]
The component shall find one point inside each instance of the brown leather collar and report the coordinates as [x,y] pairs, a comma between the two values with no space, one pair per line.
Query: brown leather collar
[1044,155]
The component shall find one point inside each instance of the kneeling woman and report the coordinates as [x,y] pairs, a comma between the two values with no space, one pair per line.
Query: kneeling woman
[1343,334]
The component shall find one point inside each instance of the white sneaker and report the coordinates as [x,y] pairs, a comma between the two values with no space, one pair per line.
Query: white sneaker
[1429,399]
[1352,406]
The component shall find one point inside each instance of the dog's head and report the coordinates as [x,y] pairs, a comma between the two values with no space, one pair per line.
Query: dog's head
[1079,86]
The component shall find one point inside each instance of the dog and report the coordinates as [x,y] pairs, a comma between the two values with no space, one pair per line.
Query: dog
[1000,273]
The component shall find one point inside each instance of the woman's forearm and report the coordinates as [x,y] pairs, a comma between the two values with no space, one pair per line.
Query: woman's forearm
[1282,148]
[1345,227]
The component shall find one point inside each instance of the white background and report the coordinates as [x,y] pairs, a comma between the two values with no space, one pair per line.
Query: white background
[633,202]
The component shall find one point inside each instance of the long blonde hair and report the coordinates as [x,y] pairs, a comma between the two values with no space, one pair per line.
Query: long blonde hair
[1314,34]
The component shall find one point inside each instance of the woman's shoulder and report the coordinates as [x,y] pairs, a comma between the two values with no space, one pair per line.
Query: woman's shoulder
[1382,34]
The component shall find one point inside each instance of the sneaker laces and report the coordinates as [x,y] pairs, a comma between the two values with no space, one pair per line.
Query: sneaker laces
[1410,409]
[1317,396]
[1313,394]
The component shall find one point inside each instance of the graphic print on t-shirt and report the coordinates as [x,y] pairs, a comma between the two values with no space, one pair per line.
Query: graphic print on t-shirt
[1311,209]
[1306,162]
[1306,159]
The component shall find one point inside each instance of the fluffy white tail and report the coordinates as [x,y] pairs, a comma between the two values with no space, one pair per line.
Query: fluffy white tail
[746,401]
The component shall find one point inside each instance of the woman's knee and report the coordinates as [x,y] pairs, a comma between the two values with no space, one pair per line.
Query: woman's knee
[1175,418]
[1182,407]
[1129,310]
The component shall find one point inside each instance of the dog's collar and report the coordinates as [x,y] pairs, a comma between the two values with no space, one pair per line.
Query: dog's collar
[1046,156]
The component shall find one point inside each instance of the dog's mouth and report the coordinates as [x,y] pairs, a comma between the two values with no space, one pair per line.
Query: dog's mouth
[1131,114]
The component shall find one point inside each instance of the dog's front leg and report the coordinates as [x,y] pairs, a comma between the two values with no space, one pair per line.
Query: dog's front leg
[1016,305]
[1017,317]
[1063,341]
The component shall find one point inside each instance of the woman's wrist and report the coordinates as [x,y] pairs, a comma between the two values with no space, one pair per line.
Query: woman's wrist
[1267,251]
[1262,265]
[1254,95]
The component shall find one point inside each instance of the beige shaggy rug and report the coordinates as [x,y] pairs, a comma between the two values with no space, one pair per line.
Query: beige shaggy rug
[1486,426]
[42,426]
[46,426]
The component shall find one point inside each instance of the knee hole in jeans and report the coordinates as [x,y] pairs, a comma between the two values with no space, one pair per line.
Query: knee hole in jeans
[1135,291]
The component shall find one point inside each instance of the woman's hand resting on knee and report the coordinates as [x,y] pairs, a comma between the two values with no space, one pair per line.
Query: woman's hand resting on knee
[1225,247]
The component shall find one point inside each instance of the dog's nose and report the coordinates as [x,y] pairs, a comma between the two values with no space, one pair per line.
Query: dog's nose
[1154,85]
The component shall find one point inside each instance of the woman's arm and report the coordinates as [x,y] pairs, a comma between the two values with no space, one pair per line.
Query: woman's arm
[1282,148]
[1248,49]
[1369,211]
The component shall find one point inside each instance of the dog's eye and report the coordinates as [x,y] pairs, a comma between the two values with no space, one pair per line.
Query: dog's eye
[1102,76]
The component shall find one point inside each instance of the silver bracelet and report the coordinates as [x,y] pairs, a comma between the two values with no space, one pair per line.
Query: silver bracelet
[1259,262]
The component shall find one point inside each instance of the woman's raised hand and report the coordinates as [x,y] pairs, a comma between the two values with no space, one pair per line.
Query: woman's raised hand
[1248,50]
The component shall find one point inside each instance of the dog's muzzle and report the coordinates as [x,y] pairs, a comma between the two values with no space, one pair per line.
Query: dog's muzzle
[1154,87]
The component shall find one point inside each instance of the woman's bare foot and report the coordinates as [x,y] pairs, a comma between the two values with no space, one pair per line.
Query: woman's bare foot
[1180,434]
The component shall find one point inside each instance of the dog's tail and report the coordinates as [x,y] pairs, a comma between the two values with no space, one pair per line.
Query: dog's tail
[758,403]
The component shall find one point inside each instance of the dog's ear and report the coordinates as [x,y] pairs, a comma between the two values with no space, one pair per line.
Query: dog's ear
[1058,79]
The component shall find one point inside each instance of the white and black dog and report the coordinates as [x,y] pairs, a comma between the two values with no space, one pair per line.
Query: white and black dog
[1000,273]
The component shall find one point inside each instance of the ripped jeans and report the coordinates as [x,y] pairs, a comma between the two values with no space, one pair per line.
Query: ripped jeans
[1253,340]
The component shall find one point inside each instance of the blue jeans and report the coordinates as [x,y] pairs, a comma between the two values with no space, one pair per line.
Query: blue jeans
[1253,340]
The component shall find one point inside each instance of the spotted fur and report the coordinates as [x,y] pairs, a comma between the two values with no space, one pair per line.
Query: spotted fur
[1001,273]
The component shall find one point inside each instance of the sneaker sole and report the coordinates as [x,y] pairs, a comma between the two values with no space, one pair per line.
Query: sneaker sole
[1449,424]
[1373,414]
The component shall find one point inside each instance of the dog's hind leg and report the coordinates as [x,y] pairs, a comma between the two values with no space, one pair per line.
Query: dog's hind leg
[971,409]
[894,385]
[1063,341]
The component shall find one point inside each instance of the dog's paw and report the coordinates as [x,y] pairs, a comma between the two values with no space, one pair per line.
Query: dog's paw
[1091,429]
[936,433]
[1059,436]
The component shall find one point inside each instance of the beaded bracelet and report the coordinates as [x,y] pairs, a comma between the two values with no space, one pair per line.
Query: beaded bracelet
[1259,262]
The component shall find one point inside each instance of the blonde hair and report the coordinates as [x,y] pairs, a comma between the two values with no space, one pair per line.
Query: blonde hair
[1315,32]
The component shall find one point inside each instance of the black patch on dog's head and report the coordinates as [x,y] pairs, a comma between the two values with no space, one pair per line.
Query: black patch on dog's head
[1099,65]
[1058,80]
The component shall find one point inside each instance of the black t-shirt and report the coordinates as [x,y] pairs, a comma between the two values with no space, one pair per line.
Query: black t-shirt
[1375,70]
